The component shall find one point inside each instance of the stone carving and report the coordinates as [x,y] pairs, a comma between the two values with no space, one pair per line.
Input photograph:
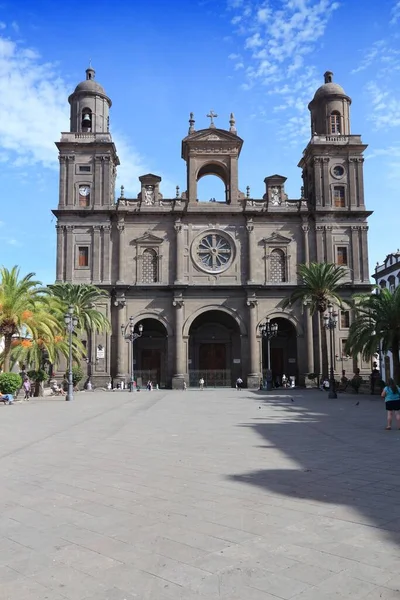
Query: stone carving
[252,302]
[178,302]
[250,225]
[149,198]
[276,199]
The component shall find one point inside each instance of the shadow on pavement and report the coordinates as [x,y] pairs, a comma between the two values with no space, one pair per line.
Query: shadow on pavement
[343,455]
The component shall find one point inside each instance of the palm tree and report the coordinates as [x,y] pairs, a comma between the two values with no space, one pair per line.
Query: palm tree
[24,311]
[377,322]
[83,297]
[320,284]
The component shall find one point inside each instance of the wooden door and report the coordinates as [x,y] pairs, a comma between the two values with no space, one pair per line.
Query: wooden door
[277,362]
[212,357]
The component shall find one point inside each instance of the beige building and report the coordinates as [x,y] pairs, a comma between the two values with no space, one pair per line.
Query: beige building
[201,276]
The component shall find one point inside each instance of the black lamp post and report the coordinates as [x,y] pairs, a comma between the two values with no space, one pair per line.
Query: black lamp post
[129,335]
[71,321]
[330,322]
[268,330]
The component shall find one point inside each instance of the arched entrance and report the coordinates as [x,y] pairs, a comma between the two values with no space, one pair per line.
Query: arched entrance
[151,354]
[214,349]
[284,358]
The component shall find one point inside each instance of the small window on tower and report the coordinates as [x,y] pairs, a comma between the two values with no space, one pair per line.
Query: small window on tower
[84,195]
[344,319]
[84,168]
[341,256]
[334,123]
[338,196]
[83,256]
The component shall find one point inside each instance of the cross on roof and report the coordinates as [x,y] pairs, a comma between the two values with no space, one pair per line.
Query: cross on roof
[212,115]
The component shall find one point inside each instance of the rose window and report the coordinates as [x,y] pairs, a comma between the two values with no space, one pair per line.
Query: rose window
[214,252]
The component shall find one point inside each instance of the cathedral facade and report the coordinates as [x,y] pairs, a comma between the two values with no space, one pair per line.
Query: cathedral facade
[201,277]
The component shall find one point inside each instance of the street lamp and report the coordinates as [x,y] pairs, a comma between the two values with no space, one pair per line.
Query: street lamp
[268,330]
[71,321]
[130,336]
[330,322]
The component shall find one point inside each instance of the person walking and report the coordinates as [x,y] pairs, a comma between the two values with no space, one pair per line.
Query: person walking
[239,383]
[201,383]
[391,394]
[27,388]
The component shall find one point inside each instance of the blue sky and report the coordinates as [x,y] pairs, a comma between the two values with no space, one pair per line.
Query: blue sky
[158,61]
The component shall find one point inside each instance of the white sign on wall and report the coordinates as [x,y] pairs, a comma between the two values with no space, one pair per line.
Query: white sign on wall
[100,351]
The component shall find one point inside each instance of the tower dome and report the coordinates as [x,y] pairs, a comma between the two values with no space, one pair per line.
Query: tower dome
[89,106]
[330,109]
[89,84]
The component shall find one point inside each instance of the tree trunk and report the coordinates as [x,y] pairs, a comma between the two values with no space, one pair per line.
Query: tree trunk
[324,348]
[6,352]
[396,362]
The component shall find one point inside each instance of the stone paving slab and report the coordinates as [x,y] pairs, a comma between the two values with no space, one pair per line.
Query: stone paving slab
[192,495]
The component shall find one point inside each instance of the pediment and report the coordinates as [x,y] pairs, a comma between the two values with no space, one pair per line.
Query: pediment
[213,135]
[277,238]
[148,238]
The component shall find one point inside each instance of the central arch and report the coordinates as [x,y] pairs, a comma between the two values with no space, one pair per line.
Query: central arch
[150,354]
[283,357]
[214,349]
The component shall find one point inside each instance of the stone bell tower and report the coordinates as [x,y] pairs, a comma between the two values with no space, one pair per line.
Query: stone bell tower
[212,152]
[87,155]
[332,171]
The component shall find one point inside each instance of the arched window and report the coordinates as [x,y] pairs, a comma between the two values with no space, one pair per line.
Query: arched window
[382,284]
[334,122]
[392,283]
[86,120]
[149,266]
[277,266]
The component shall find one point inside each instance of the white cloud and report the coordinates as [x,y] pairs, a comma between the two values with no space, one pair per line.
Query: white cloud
[34,111]
[277,38]
[385,104]
[395,13]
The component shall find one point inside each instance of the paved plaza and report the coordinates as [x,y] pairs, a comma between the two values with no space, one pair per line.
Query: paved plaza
[184,495]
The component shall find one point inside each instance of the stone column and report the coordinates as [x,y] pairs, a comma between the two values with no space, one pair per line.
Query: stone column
[355,251]
[121,251]
[352,201]
[364,253]
[310,340]
[60,253]
[253,378]
[180,369]
[320,243]
[98,181]
[360,182]
[325,174]
[105,200]
[106,258]
[96,254]
[120,304]
[63,180]
[69,267]
[306,229]
[317,180]
[329,244]
[251,250]
[70,194]
[179,251]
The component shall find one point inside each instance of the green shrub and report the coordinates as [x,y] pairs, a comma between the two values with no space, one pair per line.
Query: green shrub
[312,376]
[77,375]
[38,376]
[10,383]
